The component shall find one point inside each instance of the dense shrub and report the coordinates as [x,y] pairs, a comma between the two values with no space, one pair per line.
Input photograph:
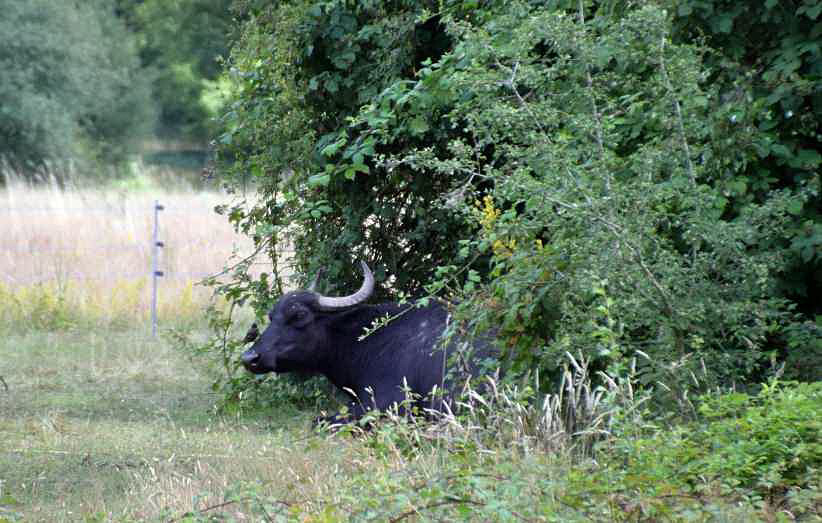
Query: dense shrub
[766,60]
[287,132]
[562,175]
[601,218]
[748,458]
[766,446]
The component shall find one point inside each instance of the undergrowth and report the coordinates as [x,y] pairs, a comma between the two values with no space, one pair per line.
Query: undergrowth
[586,453]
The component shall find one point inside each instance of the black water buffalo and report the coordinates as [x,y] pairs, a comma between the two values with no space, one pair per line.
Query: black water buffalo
[311,333]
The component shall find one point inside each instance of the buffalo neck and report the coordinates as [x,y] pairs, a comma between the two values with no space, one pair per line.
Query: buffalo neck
[348,350]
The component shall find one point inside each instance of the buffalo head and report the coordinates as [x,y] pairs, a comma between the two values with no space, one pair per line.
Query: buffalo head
[298,331]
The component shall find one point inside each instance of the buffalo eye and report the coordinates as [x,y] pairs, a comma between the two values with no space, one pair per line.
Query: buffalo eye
[298,316]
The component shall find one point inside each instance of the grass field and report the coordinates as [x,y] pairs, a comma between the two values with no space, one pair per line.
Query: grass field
[113,426]
[101,422]
[91,250]
[98,420]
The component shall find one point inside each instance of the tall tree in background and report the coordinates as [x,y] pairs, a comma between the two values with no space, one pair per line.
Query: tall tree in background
[70,83]
[180,44]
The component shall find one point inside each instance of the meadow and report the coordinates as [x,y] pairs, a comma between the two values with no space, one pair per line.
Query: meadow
[89,396]
[92,249]
[100,421]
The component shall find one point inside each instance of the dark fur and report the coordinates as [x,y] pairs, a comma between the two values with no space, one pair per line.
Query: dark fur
[300,338]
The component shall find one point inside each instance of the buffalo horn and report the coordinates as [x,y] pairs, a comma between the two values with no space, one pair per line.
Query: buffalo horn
[329,304]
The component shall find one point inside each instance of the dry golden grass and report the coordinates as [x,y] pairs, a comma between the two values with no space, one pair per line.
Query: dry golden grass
[93,248]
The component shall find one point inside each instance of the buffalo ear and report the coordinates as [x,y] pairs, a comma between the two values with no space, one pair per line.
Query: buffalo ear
[252,334]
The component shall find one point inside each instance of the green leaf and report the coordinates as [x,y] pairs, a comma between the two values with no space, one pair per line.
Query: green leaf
[795,207]
[264,229]
[809,158]
[332,148]
[738,186]
[811,11]
[767,125]
[318,180]
[418,125]
[725,24]
[352,171]
[780,151]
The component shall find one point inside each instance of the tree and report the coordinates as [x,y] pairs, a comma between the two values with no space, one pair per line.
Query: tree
[71,87]
[300,70]
[181,44]
[766,61]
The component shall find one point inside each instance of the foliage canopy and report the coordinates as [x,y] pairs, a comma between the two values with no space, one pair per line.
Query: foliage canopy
[180,45]
[572,176]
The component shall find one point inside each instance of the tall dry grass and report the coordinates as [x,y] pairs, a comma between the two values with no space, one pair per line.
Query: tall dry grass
[89,251]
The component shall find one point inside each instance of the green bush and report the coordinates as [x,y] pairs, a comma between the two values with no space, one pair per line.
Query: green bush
[766,60]
[766,446]
[287,133]
[605,230]
[749,458]
[562,175]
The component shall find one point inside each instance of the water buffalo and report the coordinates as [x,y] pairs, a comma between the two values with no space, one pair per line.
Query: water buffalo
[312,333]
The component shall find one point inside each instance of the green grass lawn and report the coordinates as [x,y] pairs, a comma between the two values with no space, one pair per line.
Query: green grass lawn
[112,425]
[116,425]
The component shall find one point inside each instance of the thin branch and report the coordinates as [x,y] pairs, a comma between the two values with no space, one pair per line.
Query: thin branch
[617,231]
[666,299]
[447,501]
[227,359]
[212,507]
[234,502]
[511,84]
[263,244]
[680,121]
[595,109]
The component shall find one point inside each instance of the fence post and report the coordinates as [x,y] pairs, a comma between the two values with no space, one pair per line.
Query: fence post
[156,245]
